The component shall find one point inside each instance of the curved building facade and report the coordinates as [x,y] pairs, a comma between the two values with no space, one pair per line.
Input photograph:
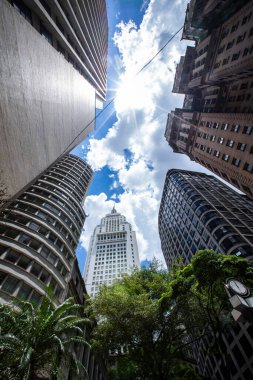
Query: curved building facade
[39,231]
[198,211]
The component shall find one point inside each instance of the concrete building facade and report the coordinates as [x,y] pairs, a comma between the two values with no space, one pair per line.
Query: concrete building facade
[52,77]
[197,211]
[219,91]
[39,231]
[112,253]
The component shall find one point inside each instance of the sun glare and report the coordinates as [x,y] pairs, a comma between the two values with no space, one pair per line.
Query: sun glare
[130,94]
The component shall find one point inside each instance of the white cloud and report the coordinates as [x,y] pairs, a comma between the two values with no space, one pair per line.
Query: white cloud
[141,108]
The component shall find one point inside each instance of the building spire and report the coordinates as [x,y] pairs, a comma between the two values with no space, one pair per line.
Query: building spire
[114,209]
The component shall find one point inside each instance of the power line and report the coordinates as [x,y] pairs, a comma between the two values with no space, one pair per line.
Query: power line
[112,100]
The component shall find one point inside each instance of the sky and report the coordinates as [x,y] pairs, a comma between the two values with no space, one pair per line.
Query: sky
[127,151]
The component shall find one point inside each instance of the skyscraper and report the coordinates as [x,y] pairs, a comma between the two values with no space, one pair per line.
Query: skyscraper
[215,125]
[112,252]
[197,212]
[52,76]
[39,231]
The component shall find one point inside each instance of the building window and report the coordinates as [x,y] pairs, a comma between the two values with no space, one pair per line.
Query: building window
[235,128]
[25,239]
[234,27]
[230,143]
[224,127]
[225,61]
[46,6]
[230,44]
[24,262]
[225,157]
[23,10]
[235,56]
[241,146]
[216,153]
[236,162]
[246,18]
[10,284]
[220,140]
[247,130]
[59,25]
[248,167]
[248,51]
[12,256]
[44,32]
[241,38]
[251,150]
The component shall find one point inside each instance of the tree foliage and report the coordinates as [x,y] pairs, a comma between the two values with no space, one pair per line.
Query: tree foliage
[158,315]
[199,287]
[36,340]
[138,313]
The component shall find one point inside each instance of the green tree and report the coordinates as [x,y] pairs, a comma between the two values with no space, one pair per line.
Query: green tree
[198,289]
[36,340]
[138,313]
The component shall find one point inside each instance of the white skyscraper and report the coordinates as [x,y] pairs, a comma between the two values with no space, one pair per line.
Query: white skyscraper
[112,252]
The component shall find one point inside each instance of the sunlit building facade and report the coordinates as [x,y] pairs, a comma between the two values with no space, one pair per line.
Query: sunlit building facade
[215,125]
[53,67]
[112,253]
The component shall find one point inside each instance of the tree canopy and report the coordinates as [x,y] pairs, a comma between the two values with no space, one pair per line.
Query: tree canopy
[156,315]
[139,314]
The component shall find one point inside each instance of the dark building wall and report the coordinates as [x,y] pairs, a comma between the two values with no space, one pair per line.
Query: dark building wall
[199,212]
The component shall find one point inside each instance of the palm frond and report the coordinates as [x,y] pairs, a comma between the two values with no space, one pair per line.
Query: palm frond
[78,368]
[26,358]
[58,342]
[8,340]
[72,320]
[76,339]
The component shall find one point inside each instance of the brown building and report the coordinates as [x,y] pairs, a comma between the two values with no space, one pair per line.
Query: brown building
[215,125]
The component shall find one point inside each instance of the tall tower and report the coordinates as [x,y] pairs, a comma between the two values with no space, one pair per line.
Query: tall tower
[39,231]
[197,212]
[53,67]
[215,126]
[112,252]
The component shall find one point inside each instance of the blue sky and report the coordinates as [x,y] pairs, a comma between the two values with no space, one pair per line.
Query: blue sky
[121,10]
[127,150]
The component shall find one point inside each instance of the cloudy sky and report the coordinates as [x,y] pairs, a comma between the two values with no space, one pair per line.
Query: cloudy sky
[128,151]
